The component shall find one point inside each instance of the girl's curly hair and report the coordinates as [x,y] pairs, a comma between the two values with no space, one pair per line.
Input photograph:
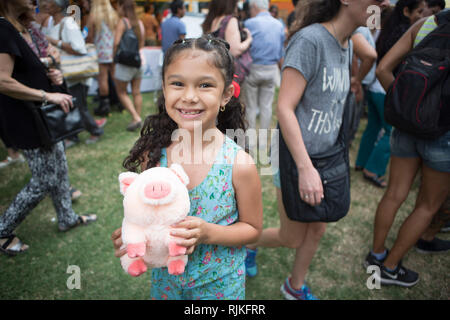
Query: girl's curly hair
[158,128]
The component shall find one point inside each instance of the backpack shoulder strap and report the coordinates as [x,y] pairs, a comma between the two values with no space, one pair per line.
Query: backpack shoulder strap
[125,21]
[223,26]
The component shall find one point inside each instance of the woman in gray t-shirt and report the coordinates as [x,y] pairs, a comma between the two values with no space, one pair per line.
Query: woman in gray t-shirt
[315,83]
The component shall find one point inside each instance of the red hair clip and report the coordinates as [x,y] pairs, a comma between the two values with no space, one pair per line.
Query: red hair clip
[237,88]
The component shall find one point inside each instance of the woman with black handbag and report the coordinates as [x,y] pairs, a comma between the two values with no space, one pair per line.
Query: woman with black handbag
[314,187]
[24,81]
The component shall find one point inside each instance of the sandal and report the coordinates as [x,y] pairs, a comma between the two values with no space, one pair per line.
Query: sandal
[12,246]
[375,180]
[81,221]
[75,193]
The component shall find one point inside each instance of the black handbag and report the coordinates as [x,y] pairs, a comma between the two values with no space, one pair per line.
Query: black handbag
[334,171]
[54,125]
[128,50]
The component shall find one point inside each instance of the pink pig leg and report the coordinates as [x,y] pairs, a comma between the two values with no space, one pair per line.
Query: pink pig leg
[136,249]
[176,267]
[137,268]
[175,249]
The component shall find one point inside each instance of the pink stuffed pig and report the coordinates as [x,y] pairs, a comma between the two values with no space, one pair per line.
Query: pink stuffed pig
[153,201]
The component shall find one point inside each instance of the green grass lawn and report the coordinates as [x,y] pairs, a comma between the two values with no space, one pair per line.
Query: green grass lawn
[336,271]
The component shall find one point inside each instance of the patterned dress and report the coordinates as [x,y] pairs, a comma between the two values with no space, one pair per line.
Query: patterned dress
[104,42]
[213,271]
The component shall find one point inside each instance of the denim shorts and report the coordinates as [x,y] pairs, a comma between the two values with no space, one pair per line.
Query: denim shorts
[434,153]
[126,73]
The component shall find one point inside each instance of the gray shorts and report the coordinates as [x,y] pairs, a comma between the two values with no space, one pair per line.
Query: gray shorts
[434,153]
[126,73]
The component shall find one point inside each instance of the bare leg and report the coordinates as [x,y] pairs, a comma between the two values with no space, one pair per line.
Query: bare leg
[401,177]
[306,252]
[137,96]
[121,88]
[304,237]
[433,192]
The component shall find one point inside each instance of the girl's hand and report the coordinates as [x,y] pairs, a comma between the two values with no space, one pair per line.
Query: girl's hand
[55,76]
[61,99]
[192,231]
[116,238]
[310,186]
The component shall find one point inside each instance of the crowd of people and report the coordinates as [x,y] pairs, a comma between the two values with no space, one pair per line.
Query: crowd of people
[334,69]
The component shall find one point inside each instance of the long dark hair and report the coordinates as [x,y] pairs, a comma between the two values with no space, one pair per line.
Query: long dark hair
[216,9]
[129,11]
[308,12]
[395,26]
[158,128]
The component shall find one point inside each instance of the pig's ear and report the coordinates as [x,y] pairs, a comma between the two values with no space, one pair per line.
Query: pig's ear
[179,171]
[125,179]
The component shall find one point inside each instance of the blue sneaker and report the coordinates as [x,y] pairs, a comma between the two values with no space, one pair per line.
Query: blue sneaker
[250,263]
[308,294]
[291,294]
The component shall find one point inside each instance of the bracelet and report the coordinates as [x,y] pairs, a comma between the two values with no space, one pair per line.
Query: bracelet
[44,97]
[59,44]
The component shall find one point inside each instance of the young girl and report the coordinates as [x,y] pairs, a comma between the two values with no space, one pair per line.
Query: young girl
[317,55]
[224,188]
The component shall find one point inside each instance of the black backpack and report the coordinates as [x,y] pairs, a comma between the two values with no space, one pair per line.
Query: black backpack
[128,50]
[418,101]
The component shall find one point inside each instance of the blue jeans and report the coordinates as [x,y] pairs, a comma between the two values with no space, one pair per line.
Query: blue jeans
[374,153]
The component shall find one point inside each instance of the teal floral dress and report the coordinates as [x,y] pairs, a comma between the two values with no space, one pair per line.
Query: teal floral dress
[213,271]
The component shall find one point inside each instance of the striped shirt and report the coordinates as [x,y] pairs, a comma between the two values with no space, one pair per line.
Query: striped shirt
[427,27]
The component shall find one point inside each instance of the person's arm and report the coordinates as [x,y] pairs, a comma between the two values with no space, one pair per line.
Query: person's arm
[14,89]
[142,30]
[75,45]
[91,30]
[120,29]
[233,37]
[246,230]
[396,54]
[292,87]
[366,53]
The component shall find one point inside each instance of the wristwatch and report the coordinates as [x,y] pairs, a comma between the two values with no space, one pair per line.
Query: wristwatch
[44,97]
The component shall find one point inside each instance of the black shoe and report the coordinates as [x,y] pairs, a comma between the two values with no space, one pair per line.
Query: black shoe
[400,276]
[434,246]
[371,260]
[104,107]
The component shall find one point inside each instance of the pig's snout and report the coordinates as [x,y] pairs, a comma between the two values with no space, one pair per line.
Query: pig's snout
[157,190]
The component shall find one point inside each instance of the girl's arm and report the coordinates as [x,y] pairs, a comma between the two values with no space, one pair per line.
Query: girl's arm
[249,203]
[233,37]
[292,86]
[396,54]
